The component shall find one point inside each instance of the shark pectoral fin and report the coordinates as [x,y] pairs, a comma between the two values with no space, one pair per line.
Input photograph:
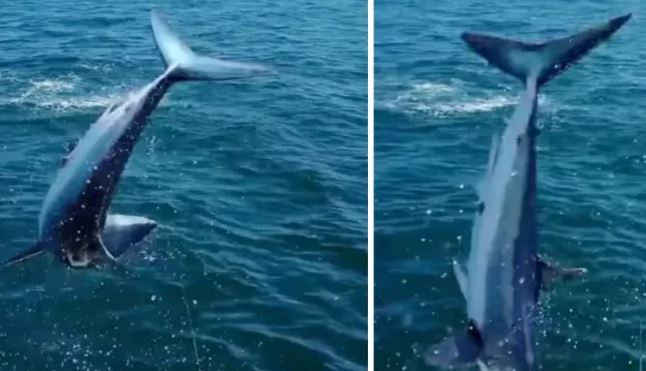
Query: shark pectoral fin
[456,351]
[31,252]
[121,232]
[551,273]
[461,276]
[104,249]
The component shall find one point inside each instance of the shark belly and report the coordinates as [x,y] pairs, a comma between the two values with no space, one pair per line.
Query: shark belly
[492,257]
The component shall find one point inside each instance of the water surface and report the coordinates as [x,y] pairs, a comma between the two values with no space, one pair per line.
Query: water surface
[259,262]
[437,107]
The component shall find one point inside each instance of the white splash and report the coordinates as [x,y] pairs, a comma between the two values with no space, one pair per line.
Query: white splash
[67,104]
[59,94]
[476,105]
[440,100]
[419,96]
[432,88]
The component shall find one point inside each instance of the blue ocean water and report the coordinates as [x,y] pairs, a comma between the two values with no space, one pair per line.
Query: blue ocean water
[437,107]
[259,262]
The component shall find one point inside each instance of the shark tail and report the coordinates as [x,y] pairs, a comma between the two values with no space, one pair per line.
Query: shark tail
[457,351]
[187,65]
[540,62]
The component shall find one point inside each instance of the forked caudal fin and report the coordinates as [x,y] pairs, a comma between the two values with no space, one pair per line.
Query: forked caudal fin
[543,61]
[191,66]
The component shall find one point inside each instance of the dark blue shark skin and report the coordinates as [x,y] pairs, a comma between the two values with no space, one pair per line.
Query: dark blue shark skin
[73,217]
[503,277]
[76,206]
[528,261]
[504,260]
[522,259]
[527,275]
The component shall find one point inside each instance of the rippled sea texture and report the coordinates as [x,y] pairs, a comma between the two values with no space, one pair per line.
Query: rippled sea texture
[259,188]
[438,105]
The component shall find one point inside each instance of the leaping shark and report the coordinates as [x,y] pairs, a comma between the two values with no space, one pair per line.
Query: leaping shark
[74,223]
[502,279]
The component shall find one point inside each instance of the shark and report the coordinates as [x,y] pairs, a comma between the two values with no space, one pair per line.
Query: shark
[74,222]
[503,276]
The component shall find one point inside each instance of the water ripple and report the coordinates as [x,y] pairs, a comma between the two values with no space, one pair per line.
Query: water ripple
[259,189]
[438,106]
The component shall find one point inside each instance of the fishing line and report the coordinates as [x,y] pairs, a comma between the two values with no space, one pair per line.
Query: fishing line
[190,324]
[641,355]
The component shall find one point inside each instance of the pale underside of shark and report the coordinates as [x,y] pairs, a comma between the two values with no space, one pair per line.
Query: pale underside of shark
[74,223]
[503,276]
